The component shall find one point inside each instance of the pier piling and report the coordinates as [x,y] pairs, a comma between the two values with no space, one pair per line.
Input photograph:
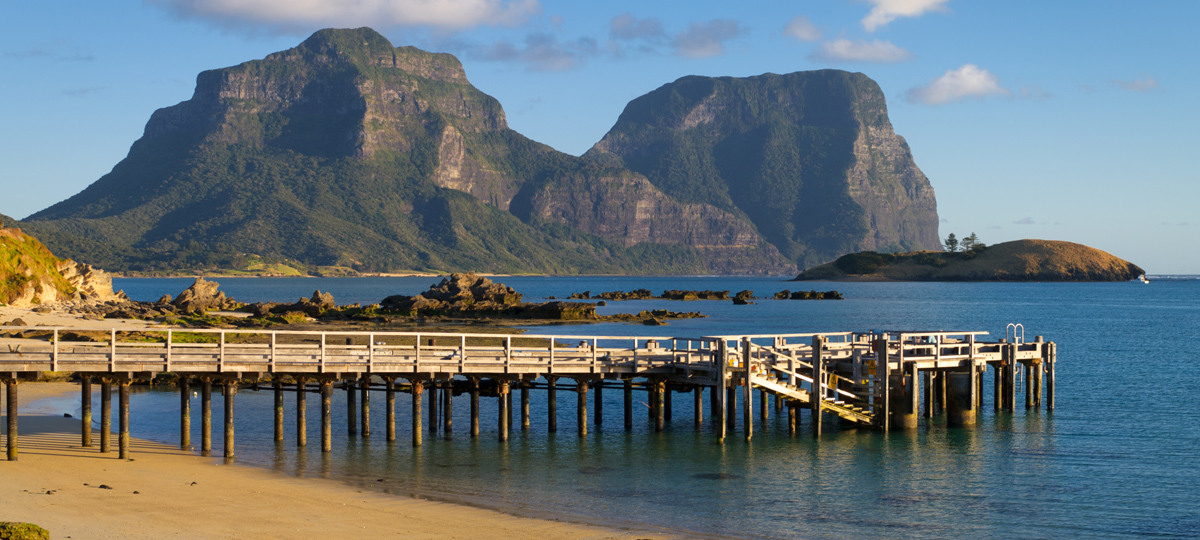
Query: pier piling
[581,390]
[123,419]
[105,413]
[698,405]
[326,416]
[599,406]
[525,406]
[475,407]
[365,405]
[448,407]
[551,403]
[277,388]
[628,389]
[301,412]
[12,407]
[417,389]
[85,407]
[960,406]
[389,384]
[502,413]
[230,392]
[205,415]
[351,409]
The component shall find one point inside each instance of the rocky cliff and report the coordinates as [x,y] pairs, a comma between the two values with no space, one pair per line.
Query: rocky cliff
[31,275]
[809,158]
[348,151]
[1019,260]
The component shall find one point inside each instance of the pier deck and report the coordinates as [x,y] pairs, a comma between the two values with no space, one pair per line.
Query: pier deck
[869,379]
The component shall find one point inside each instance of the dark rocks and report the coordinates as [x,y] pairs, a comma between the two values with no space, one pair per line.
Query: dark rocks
[808,295]
[470,295]
[16,322]
[743,298]
[637,294]
[203,296]
[695,295]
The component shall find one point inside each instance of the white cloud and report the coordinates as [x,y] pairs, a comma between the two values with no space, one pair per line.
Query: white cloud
[305,14]
[1144,84]
[802,29]
[885,11]
[969,81]
[1025,221]
[845,50]
[627,27]
[541,52]
[707,39]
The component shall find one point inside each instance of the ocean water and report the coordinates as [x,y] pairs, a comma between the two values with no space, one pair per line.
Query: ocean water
[1118,458]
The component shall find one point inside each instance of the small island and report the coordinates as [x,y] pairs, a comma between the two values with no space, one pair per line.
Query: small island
[1019,260]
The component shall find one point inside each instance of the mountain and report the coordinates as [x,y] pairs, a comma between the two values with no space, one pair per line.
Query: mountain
[810,158]
[1019,260]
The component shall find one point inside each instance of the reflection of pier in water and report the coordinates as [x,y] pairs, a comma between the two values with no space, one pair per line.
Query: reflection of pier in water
[872,379]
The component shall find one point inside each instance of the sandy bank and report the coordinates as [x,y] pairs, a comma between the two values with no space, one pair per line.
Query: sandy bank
[167,493]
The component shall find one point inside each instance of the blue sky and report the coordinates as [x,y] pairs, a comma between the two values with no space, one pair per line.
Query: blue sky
[1032,119]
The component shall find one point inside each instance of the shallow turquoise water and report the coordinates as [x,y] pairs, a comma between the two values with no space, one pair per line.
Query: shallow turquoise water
[1117,459]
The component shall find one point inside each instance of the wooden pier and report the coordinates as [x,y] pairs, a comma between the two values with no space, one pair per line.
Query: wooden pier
[875,379]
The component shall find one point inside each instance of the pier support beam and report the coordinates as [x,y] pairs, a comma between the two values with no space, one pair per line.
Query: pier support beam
[882,402]
[326,416]
[448,407]
[731,407]
[628,395]
[551,403]
[502,413]
[961,409]
[351,409]
[697,405]
[301,412]
[365,405]
[230,392]
[720,361]
[667,402]
[389,385]
[928,393]
[714,402]
[659,404]
[1010,377]
[205,416]
[277,388]
[581,391]
[475,407]
[433,406]
[1051,360]
[85,407]
[791,419]
[123,419]
[12,408]
[904,393]
[525,406]
[818,389]
[763,413]
[105,414]
[417,388]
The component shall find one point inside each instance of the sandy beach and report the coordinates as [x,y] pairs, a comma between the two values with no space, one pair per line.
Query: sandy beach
[164,492]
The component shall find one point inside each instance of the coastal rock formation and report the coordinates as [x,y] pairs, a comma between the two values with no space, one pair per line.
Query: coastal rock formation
[31,275]
[203,296]
[470,295]
[809,158]
[1019,260]
[346,151]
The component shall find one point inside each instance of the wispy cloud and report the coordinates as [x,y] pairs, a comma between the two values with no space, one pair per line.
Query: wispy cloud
[707,39]
[703,39]
[802,29]
[845,50]
[1034,92]
[59,51]
[539,52]
[1025,221]
[81,92]
[306,14]
[1145,84]
[885,11]
[966,82]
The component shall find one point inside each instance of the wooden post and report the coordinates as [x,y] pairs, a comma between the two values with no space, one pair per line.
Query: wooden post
[719,362]
[818,393]
[86,410]
[883,380]
[351,408]
[433,406]
[939,391]
[960,406]
[13,405]
[928,395]
[417,389]
[747,389]
[698,404]
[763,397]
[667,401]
[475,407]
[365,405]
[1038,369]
[1027,371]
[205,415]
[659,405]
[1051,360]
[599,406]
[1010,392]
[581,390]
[628,404]
[502,416]
[277,387]
[525,406]
[105,413]
[301,412]
[389,384]
[998,385]
[551,404]
[123,420]
[230,392]
[714,401]
[326,416]
[448,407]
[778,403]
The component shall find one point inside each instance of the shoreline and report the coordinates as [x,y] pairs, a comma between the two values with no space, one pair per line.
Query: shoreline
[158,493]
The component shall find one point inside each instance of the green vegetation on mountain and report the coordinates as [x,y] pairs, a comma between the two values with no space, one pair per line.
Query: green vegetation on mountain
[1019,260]
[28,271]
[348,152]
[809,158]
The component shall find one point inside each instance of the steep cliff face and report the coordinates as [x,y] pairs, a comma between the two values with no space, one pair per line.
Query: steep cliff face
[30,275]
[348,151]
[809,158]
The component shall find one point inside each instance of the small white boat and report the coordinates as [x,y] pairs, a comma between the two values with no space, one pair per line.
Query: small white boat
[1141,279]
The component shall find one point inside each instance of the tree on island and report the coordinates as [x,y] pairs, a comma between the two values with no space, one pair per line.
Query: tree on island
[952,243]
[971,243]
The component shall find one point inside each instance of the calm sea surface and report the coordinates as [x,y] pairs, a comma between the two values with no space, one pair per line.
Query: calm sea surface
[1119,458]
